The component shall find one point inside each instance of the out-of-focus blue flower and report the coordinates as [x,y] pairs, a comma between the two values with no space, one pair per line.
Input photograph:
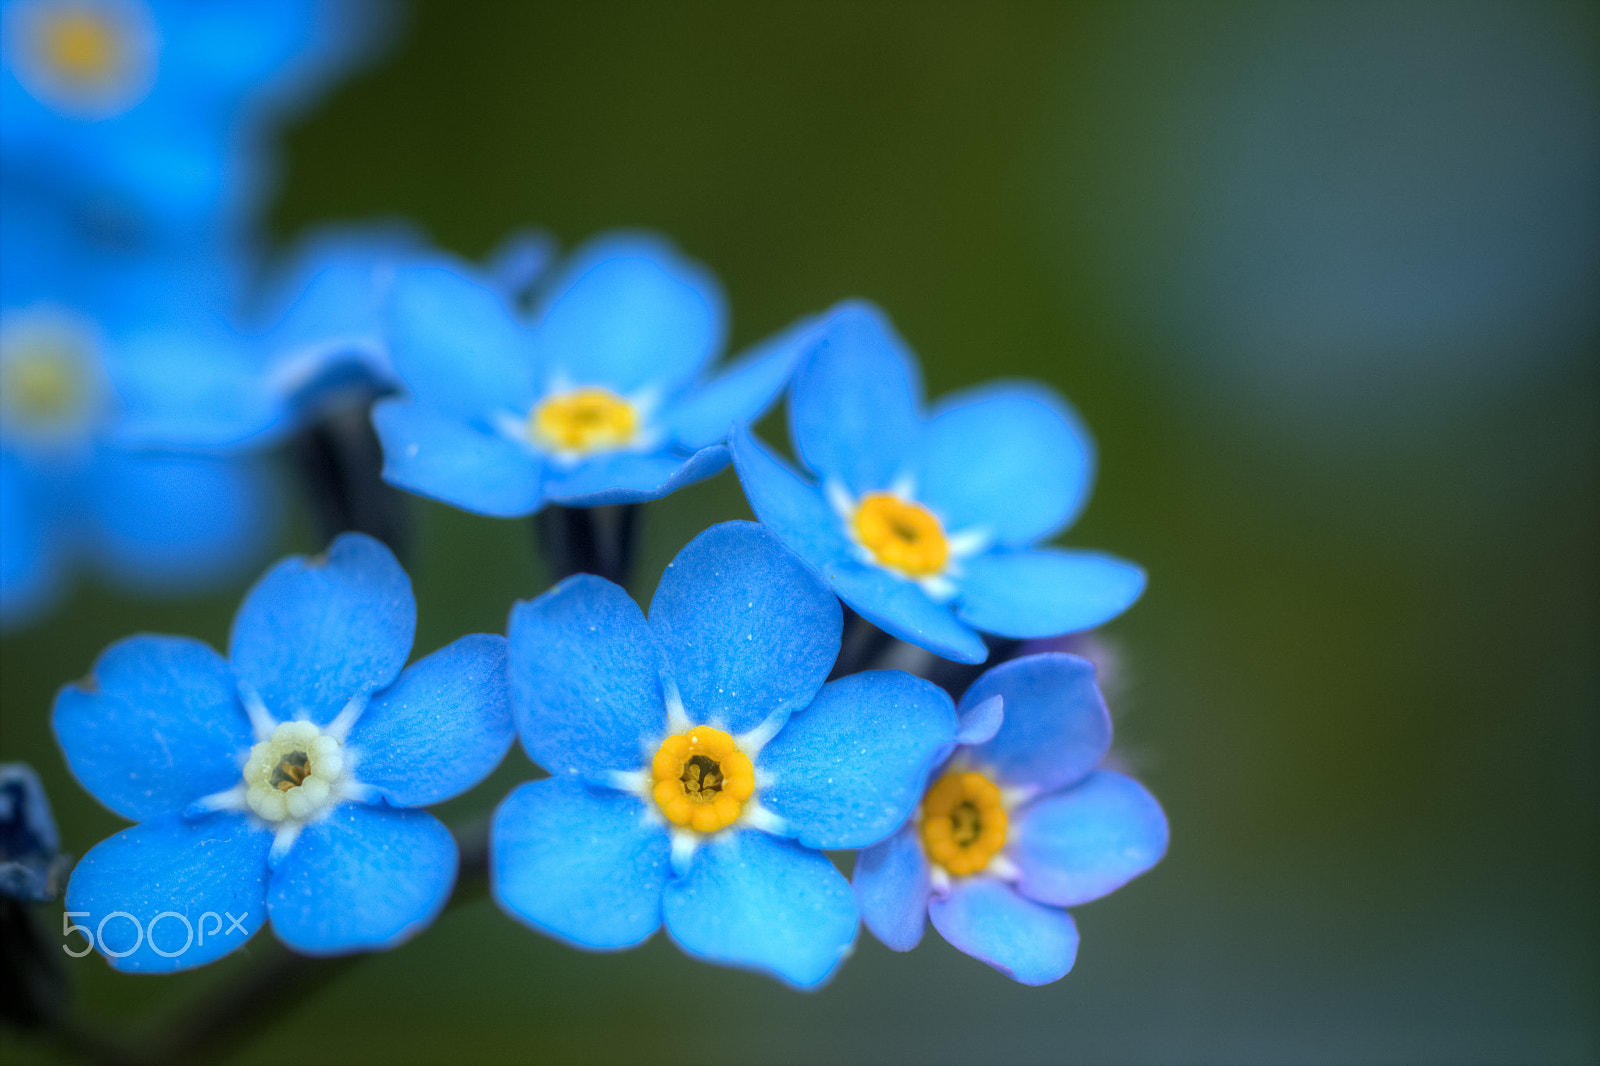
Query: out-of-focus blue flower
[282,781]
[1019,822]
[699,761]
[601,402]
[70,496]
[926,527]
[316,340]
[150,115]
[30,848]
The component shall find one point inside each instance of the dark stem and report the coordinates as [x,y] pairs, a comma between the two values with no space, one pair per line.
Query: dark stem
[341,467]
[588,540]
[863,646]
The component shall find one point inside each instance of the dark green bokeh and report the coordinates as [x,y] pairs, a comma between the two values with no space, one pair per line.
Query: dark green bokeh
[1363,682]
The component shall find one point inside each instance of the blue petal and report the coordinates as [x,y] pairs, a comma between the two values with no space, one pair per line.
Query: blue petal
[1078,845]
[787,505]
[1045,592]
[155,727]
[981,721]
[630,477]
[362,879]
[30,555]
[585,680]
[208,870]
[892,884]
[315,632]
[1009,458]
[760,903]
[585,866]
[458,347]
[746,630]
[165,524]
[435,454]
[440,729]
[1030,944]
[629,312]
[741,393]
[1056,727]
[193,387]
[853,404]
[848,770]
[900,608]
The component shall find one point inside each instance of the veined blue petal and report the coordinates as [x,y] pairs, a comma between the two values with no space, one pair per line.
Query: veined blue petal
[1031,944]
[1056,728]
[164,524]
[156,726]
[629,312]
[316,631]
[630,477]
[458,347]
[746,630]
[585,680]
[900,608]
[208,871]
[853,404]
[440,729]
[1009,458]
[1078,845]
[741,393]
[362,879]
[433,453]
[848,770]
[792,509]
[1045,592]
[754,901]
[587,866]
[891,883]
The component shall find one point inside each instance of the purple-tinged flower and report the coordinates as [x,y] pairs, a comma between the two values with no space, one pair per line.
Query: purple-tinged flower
[1019,823]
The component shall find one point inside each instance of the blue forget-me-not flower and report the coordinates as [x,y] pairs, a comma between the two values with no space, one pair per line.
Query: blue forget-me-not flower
[601,401]
[699,761]
[926,526]
[1020,822]
[149,115]
[284,779]
[71,496]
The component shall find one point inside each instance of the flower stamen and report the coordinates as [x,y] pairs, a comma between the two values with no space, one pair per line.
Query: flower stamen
[900,535]
[701,780]
[295,774]
[583,421]
[963,822]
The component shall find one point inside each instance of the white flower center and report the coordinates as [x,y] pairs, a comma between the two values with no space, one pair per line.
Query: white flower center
[296,774]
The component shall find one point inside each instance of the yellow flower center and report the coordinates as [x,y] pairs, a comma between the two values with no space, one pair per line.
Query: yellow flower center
[293,774]
[901,535]
[963,822]
[81,47]
[583,420]
[42,385]
[701,779]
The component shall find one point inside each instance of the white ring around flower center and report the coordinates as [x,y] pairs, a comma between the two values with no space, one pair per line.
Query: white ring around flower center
[295,774]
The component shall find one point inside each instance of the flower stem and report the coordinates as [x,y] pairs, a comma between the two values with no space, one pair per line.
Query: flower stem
[341,468]
[588,540]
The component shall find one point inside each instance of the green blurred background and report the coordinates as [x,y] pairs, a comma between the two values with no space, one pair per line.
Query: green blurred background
[1321,278]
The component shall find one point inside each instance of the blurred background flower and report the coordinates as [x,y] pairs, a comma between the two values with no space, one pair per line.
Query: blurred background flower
[1318,277]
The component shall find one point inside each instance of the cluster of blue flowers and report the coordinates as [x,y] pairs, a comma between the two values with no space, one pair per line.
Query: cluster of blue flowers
[701,758]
